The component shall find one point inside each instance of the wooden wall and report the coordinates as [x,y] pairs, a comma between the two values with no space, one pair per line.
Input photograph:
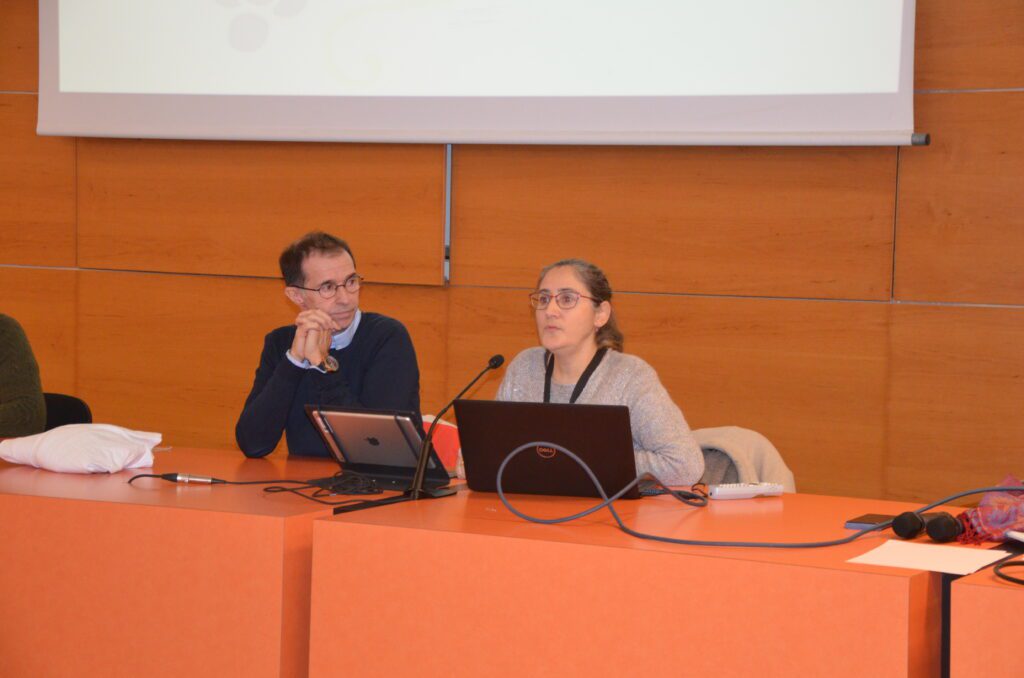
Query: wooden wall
[863,307]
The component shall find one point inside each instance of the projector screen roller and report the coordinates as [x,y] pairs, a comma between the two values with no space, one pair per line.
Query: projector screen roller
[505,71]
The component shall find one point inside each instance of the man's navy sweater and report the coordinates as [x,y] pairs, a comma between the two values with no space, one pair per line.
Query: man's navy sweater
[376,371]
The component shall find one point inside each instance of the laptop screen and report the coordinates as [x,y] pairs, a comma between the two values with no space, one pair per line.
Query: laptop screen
[383,445]
[599,434]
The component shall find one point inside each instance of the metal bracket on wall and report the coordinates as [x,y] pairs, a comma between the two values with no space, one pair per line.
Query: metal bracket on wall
[447,213]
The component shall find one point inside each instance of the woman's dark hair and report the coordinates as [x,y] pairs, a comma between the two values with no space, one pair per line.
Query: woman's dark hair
[316,242]
[598,287]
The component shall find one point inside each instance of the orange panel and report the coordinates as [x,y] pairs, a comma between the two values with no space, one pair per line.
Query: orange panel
[806,222]
[19,46]
[482,322]
[969,45]
[231,207]
[37,189]
[584,599]
[957,388]
[809,375]
[961,209]
[177,354]
[44,301]
[86,597]
[985,634]
[102,578]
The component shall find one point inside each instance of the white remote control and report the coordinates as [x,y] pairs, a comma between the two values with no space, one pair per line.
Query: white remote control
[745,490]
[1015,534]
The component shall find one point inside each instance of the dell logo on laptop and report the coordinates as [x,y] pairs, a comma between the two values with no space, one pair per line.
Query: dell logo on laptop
[545,452]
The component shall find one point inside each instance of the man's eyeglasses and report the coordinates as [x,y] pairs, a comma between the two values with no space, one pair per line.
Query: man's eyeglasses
[330,288]
[565,299]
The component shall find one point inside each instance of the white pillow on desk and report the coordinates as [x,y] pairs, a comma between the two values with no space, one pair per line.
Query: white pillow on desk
[83,448]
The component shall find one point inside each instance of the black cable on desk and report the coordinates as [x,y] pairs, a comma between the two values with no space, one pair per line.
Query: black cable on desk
[998,569]
[179,478]
[340,483]
[608,503]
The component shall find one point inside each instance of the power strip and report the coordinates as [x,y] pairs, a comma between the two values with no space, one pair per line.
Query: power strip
[744,490]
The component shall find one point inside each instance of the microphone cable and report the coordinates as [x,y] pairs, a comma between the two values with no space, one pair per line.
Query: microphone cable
[342,482]
[1003,565]
[348,483]
[608,502]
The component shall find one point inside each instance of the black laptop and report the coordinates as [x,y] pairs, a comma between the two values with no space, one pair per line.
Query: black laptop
[381,444]
[599,434]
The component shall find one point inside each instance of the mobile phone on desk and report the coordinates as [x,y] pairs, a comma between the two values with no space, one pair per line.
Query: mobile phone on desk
[867,520]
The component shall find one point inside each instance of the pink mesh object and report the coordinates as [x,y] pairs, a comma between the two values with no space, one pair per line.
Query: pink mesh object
[996,513]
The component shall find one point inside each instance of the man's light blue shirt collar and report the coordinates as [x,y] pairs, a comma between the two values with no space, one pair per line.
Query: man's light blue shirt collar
[344,338]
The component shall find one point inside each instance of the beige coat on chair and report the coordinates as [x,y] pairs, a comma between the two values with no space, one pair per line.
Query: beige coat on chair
[755,458]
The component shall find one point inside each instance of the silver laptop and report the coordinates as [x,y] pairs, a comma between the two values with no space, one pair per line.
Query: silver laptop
[381,444]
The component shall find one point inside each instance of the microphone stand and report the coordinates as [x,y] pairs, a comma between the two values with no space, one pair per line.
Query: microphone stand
[416,490]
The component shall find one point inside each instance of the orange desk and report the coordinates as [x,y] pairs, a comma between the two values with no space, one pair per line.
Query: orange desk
[460,586]
[99,578]
[986,635]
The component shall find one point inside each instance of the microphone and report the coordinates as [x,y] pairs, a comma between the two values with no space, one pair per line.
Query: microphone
[999,511]
[416,490]
[945,527]
[189,478]
[909,524]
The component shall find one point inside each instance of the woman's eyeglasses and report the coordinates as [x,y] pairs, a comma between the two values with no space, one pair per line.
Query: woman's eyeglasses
[565,299]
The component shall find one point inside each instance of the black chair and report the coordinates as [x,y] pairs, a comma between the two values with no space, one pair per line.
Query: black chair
[65,409]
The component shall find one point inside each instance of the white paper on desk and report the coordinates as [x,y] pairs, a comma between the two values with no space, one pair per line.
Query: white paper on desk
[932,557]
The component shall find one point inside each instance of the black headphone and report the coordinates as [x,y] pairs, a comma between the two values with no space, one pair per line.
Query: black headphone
[942,527]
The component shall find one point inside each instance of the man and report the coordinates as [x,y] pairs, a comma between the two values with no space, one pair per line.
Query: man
[334,354]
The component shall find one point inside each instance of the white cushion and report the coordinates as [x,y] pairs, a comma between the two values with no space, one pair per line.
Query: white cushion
[83,448]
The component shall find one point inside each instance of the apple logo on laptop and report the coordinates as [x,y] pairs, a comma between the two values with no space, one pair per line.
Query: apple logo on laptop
[373,441]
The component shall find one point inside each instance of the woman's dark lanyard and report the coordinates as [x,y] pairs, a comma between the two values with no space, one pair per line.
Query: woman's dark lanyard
[549,369]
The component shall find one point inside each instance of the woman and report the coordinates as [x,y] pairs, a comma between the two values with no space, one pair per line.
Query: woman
[580,360]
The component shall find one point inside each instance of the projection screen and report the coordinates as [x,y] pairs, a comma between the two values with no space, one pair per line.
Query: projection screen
[772,72]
